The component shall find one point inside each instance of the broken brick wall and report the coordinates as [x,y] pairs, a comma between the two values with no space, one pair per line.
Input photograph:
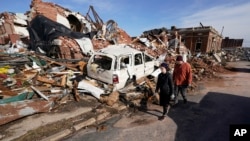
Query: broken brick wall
[69,49]
[7,31]
[121,36]
[38,7]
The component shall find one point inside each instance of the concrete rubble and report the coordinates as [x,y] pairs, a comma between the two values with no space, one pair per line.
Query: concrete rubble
[45,51]
[235,54]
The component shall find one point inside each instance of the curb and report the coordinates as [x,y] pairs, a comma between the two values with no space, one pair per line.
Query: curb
[84,124]
[81,125]
[18,131]
[102,116]
[58,135]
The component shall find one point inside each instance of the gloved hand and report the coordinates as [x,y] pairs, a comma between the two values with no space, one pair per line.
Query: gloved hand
[172,96]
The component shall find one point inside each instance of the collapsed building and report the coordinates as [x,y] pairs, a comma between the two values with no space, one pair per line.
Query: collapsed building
[54,38]
[61,24]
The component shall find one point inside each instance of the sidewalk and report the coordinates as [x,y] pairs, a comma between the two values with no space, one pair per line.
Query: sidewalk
[68,122]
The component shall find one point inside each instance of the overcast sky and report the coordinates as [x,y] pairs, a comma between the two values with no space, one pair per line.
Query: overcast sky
[136,16]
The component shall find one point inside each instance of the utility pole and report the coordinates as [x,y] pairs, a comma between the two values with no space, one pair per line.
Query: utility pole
[222,30]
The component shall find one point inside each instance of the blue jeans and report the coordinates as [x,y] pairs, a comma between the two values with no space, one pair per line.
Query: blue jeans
[180,89]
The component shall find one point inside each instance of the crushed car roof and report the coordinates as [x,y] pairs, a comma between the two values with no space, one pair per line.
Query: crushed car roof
[118,50]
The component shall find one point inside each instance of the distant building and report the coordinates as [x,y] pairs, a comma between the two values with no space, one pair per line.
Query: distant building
[228,43]
[202,39]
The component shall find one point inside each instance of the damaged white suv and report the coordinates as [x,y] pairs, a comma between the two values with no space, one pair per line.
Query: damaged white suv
[119,64]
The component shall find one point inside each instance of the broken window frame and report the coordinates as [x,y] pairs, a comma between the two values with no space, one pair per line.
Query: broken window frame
[124,63]
[138,59]
[148,58]
[198,48]
[103,61]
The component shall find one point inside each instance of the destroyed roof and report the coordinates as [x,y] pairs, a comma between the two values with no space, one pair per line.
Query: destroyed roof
[156,31]
[44,29]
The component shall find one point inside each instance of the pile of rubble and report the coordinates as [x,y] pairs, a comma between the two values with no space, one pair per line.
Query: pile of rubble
[235,54]
[43,58]
[205,68]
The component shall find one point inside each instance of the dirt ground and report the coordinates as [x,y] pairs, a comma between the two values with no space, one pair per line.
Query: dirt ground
[210,110]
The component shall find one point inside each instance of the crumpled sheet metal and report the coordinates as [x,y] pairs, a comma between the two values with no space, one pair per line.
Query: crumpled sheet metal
[15,110]
[95,91]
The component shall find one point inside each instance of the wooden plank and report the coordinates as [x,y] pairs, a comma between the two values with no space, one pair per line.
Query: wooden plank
[39,93]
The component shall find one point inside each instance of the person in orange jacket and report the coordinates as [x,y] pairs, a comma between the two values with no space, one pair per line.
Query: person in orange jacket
[182,77]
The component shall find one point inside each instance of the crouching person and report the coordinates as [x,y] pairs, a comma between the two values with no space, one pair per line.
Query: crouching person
[164,86]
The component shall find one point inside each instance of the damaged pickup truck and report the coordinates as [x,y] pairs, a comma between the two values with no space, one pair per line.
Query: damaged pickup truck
[119,65]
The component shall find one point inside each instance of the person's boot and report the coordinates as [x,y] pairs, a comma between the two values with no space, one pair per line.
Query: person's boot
[185,100]
[176,101]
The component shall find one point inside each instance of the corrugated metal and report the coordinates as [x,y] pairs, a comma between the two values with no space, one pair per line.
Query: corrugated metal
[15,110]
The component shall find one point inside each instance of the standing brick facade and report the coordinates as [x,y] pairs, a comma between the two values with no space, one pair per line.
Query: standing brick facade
[200,39]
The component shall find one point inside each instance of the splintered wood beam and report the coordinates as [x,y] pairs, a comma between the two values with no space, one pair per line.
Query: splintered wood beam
[39,93]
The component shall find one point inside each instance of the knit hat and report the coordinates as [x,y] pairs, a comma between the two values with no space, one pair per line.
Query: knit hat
[165,65]
[179,58]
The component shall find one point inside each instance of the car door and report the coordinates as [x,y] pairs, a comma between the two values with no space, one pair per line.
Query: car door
[138,65]
[124,69]
[149,64]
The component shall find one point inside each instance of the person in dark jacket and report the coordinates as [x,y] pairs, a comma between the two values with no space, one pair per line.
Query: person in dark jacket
[164,85]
